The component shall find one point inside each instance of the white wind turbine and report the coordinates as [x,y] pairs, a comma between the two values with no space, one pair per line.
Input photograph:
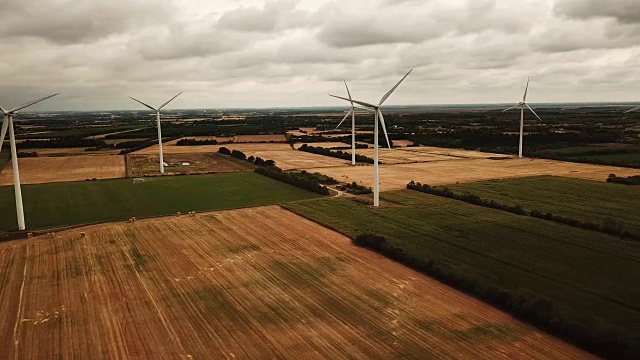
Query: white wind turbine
[158,126]
[522,105]
[351,112]
[378,115]
[7,123]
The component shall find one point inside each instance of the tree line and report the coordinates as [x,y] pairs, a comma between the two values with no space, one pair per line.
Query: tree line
[630,180]
[303,179]
[336,154]
[588,332]
[354,188]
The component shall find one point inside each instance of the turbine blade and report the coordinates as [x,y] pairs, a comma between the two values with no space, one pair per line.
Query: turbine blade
[165,104]
[348,92]
[634,109]
[524,97]
[150,107]
[5,126]
[534,113]
[3,110]
[384,128]
[386,96]
[30,103]
[511,108]
[355,101]
[344,118]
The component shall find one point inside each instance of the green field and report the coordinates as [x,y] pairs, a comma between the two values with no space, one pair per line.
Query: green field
[633,159]
[57,204]
[607,155]
[586,200]
[585,273]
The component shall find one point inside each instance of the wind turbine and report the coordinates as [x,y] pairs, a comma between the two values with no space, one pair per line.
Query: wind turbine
[522,105]
[378,116]
[351,112]
[7,123]
[158,126]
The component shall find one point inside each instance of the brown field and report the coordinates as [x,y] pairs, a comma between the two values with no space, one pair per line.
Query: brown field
[400,156]
[260,138]
[171,147]
[71,152]
[64,168]
[294,159]
[396,176]
[259,283]
[199,163]
[402,143]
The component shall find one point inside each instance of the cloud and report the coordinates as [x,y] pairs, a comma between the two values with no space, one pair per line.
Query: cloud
[272,16]
[625,11]
[70,22]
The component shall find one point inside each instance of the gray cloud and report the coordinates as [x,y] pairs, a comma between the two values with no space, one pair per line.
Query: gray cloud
[272,16]
[69,22]
[626,11]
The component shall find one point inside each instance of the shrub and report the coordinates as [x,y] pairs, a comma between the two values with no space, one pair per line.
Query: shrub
[301,180]
[631,180]
[223,150]
[238,155]
[25,154]
[194,142]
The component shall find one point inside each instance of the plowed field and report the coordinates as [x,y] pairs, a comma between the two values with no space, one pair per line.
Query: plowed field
[256,283]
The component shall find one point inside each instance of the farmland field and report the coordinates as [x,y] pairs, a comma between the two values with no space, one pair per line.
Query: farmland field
[58,204]
[64,168]
[171,147]
[148,165]
[563,196]
[396,176]
[77,151]
[586,273]
[217,286]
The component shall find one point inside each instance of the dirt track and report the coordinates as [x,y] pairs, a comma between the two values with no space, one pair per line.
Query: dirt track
[256,283]
[65,168]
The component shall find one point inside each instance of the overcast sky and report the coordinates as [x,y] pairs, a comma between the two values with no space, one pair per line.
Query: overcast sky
[289,53]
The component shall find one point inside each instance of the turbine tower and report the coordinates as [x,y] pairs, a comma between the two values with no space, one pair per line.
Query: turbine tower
[351,112]
[158,126]
[7,123]
[522,105]
[378,119]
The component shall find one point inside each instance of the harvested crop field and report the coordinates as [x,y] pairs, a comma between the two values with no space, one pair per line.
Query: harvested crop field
[64,168]
[300,160]
[401,156]
[177,288]
[171,147]
[393,177]
[284,156]
[72,152]
[190,163]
